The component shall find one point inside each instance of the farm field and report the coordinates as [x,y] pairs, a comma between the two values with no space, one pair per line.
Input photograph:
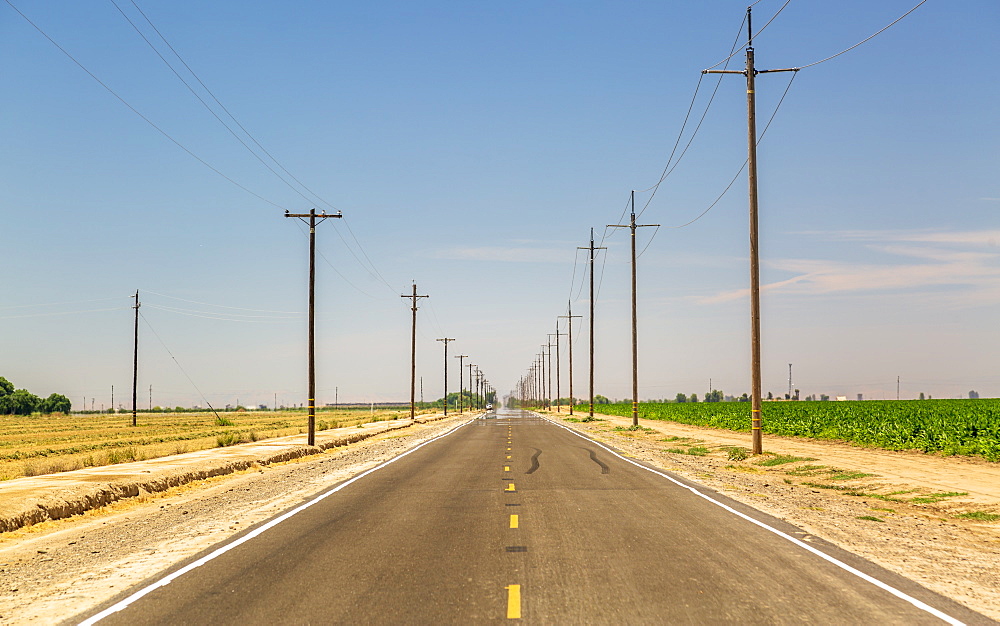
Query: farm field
[965,427]
[45,444]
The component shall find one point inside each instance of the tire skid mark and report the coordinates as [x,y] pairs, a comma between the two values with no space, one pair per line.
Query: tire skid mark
[534,461]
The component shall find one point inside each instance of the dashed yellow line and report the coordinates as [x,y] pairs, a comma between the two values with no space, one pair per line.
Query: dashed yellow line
[508,456]
[513,601]
[514,521]
[510,487]
[506,468]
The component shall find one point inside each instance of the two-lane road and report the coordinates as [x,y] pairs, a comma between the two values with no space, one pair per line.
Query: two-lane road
[518,518]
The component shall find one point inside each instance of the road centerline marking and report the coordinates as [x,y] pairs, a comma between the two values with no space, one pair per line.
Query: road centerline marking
[513,601]
[510,487]
[514,521]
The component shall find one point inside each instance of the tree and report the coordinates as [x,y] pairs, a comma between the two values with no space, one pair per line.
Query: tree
[6,387]
[823,397]
[715,395]
[921,395]
[973,395]
[19,402]
[744,398]
[770,396]
[55,403]
[599,399]
[693,397]
[681,398]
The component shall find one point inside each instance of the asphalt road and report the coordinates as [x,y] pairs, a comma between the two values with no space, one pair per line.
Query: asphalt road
[516,518]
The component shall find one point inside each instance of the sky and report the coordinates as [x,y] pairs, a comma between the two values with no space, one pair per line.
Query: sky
[471,148]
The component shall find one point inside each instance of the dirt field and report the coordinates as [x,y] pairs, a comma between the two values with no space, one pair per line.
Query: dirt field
[46,444]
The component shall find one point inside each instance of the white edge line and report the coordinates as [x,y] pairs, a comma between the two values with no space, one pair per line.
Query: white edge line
[844,566]
[166,580]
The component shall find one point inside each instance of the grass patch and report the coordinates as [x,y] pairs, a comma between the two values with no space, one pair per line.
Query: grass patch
[937,497]
[675,438]
[634,428]
[874,496]
[823,486]
[697,451]
[782,459]
[591,418]
[227,439]
[979,516]
[737,453]
[572,419]
[879,508]
[846,475]
[224,421]
[788,481]
[807,470]
[870,518]
[676,450]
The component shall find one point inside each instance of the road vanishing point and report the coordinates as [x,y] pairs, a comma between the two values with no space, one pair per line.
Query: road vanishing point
[511,517]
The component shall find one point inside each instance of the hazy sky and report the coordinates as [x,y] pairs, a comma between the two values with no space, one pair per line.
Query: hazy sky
[471,147]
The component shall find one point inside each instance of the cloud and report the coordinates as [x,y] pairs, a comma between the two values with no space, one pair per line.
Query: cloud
[503,254]
[967,262]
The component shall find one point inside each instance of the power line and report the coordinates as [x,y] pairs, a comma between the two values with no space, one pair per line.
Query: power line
[136,111]
[202,100]
[221,306]
[223,107]
[176,362]
[893,23]
[734,53]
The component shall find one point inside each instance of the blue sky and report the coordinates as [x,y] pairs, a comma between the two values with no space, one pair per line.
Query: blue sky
[471,147]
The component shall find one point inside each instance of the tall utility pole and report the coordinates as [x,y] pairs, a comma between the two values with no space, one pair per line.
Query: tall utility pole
[592,249]
[446,340]
[751,72]
[413,352]
[545,389]
[897,387]
[635,337]
[112,400]
[549,344]
[313,216]
[150,397]
[558,390]
[789,381]
[471,397]
[135,358]
[460,358]
[569,327]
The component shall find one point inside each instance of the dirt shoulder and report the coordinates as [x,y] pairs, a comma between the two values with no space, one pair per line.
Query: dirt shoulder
[935,520]
[53,570]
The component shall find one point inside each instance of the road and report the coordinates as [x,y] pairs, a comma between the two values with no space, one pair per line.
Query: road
[516,518]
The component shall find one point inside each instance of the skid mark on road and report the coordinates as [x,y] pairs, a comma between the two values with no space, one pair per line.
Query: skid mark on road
[593,457]
[534,461]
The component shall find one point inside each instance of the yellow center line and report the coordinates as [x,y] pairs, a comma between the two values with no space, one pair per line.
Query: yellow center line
[510,487]
[513,601]
[506,468]
[513,521]
[508,456]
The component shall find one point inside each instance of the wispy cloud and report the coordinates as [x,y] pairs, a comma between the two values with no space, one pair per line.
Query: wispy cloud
[968,262]
[504,254]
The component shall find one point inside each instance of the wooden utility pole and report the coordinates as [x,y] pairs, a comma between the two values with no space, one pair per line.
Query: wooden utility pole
[135,357]
[569,327]
[751,72]
[413,352]
[545,389]
[460,358]
[313,216]
[635,336]
[558,390]
[471,396]
[445,340]
[592,249]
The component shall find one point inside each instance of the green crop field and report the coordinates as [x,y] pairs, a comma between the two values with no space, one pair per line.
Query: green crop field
[967,427]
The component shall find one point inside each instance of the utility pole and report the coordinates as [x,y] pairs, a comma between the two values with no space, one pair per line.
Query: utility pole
[413,352]
[545,388]
[471,397]
[549,344]
[421,390]
[336,397]
[789,381]
[135,357]
[751,73]
[569,327]
[635,337]
[592,249]
[112,400]
[446,340]
[460,357]
[897,387]
[150,397]
[312,215]
[558,390]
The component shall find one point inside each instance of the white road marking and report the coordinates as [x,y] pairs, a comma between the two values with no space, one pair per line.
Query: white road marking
[844,566]
[166,580]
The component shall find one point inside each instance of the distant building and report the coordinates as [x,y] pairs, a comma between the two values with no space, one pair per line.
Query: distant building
[841,398]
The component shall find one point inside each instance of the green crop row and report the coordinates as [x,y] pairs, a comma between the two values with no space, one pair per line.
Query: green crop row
[966,427]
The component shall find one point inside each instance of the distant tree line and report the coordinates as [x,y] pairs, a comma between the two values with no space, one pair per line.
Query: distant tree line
[23,402]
